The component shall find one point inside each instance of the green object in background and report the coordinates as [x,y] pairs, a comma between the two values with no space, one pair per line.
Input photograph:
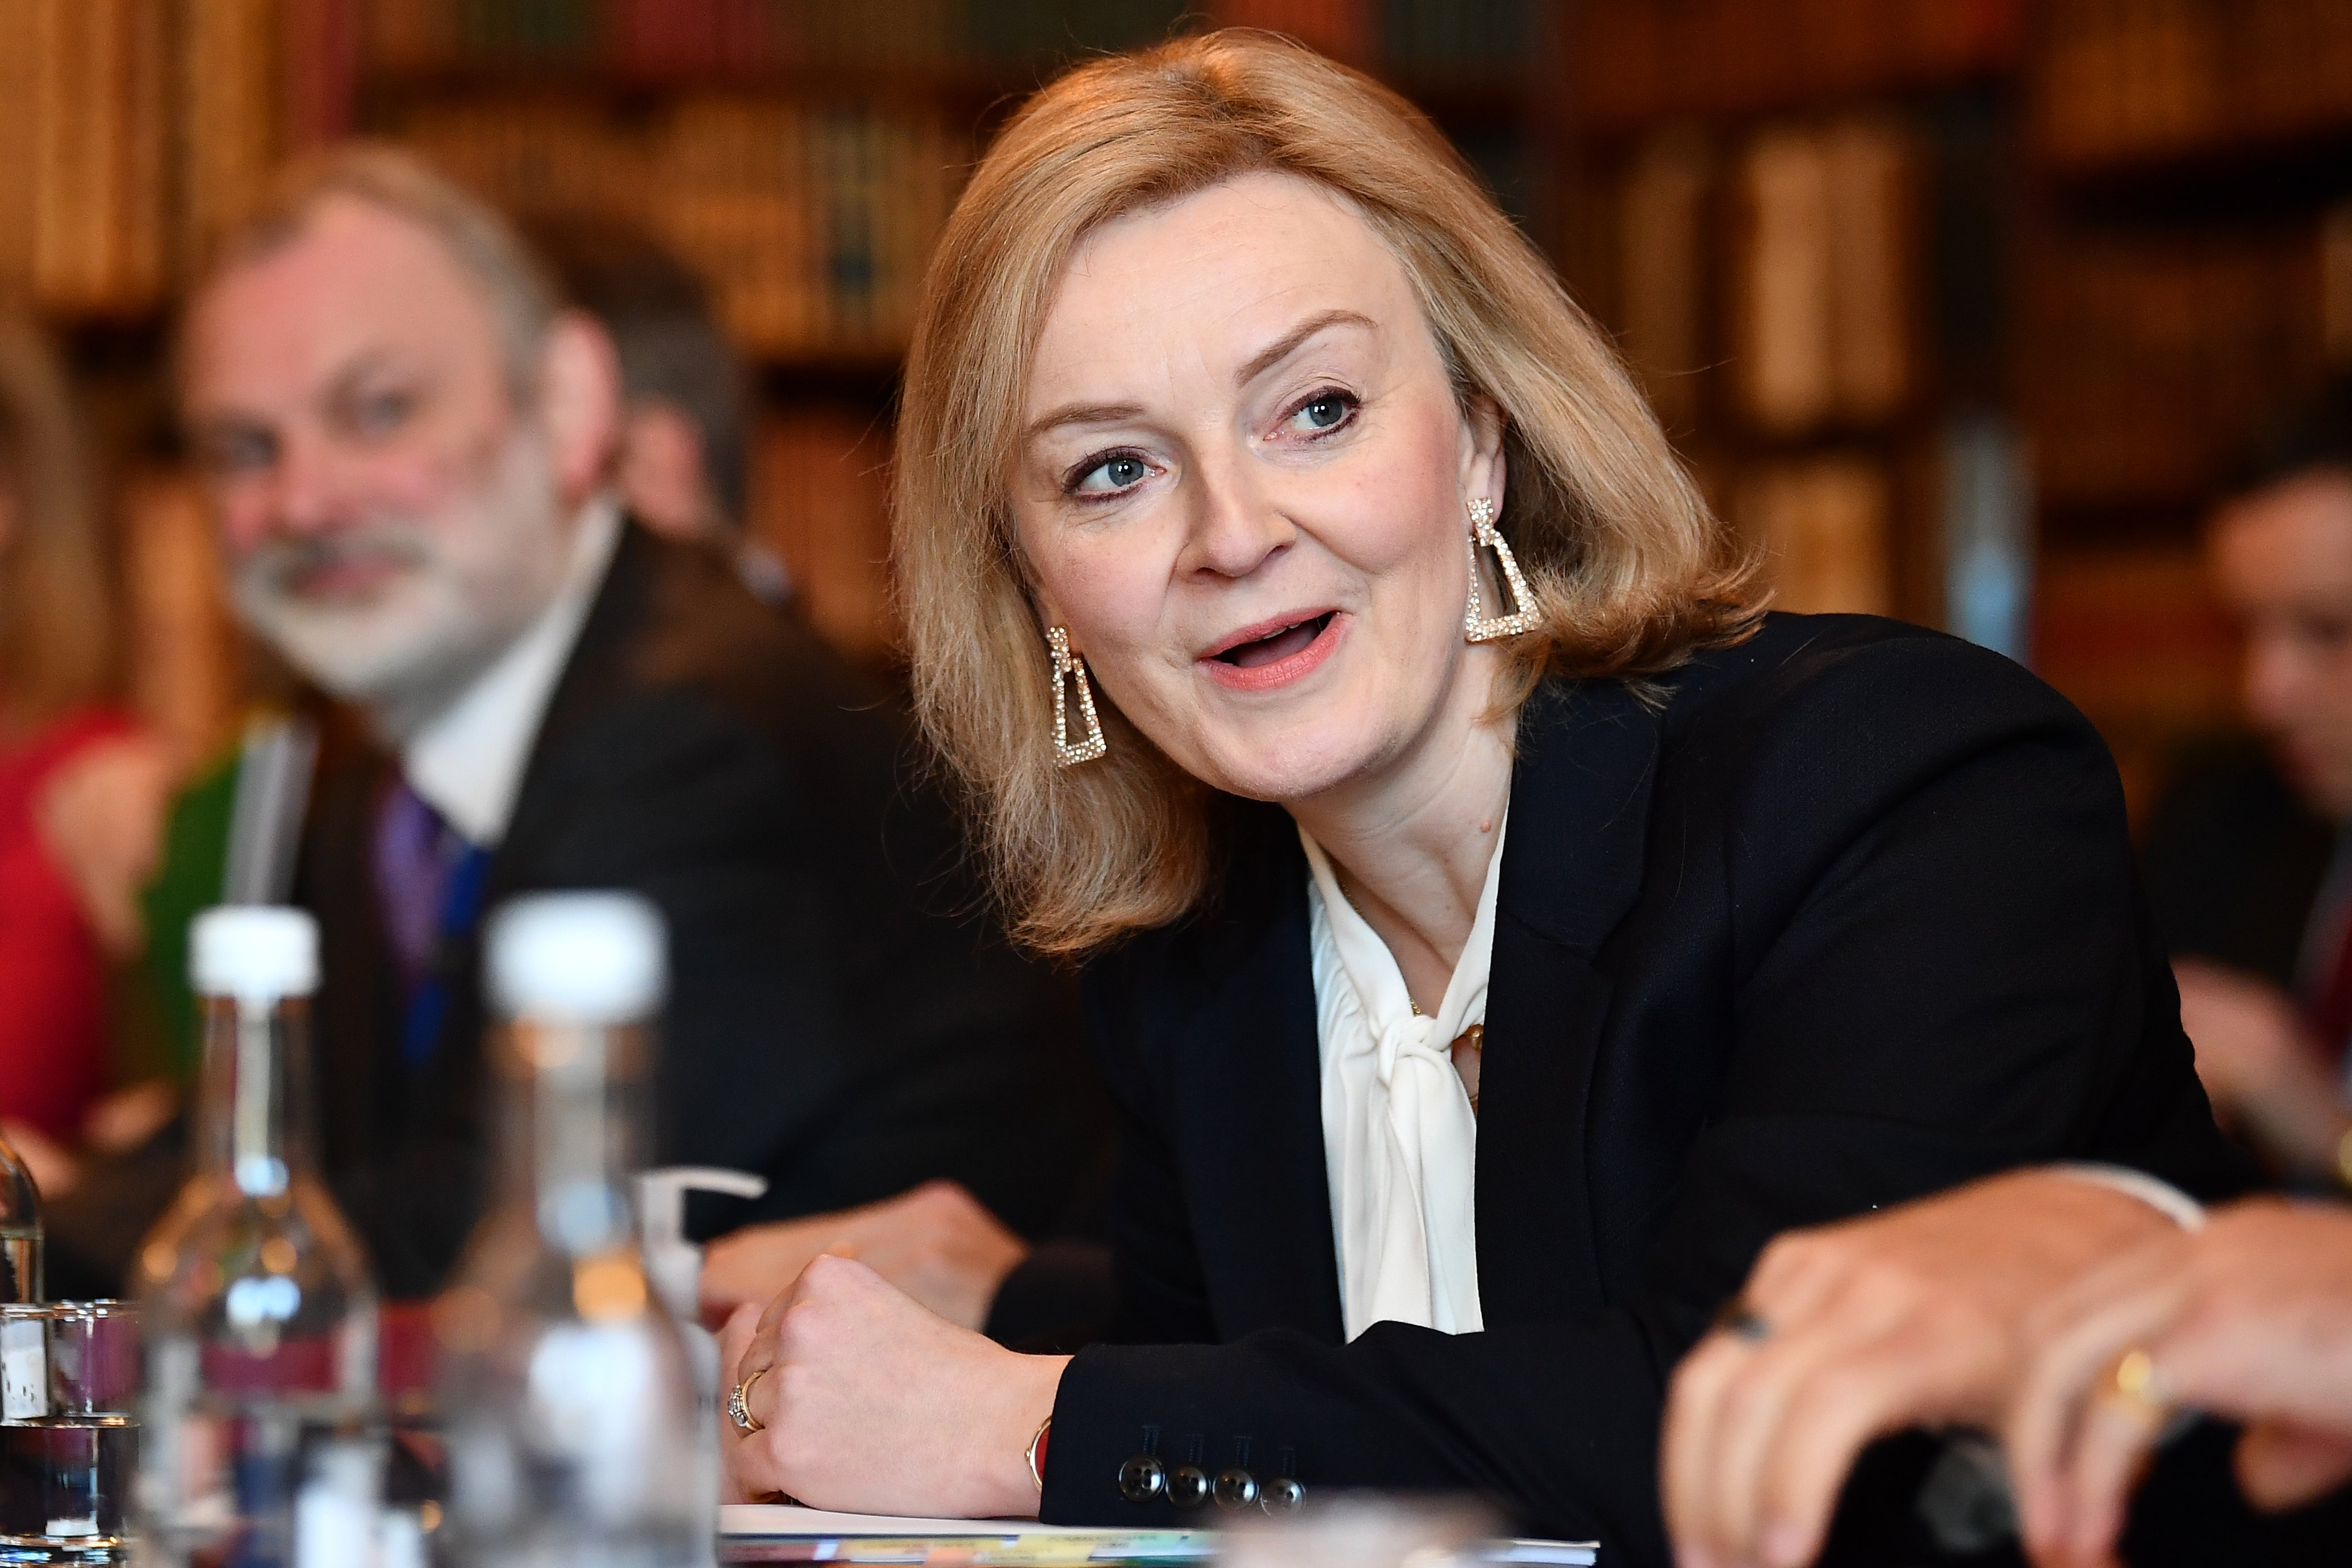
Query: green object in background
[195,861]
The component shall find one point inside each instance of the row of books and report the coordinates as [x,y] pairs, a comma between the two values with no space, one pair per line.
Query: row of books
[2129,80]
[84,149]
[1817,313]
[1640,61]
[133,128]
[691,39]
[2155,359]
[811,222]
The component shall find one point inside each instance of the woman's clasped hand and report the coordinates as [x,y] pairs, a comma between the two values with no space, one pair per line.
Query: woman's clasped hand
[865,1401]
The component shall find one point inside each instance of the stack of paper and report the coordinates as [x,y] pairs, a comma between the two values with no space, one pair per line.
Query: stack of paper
[763,1533]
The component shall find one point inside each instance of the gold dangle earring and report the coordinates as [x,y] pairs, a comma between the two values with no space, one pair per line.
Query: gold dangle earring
[1070,669]
[1523,615]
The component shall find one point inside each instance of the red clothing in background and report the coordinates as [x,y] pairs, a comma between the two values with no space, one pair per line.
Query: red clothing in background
[52,974]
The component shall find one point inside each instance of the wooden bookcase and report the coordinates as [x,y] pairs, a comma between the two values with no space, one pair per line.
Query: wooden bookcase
[799,153]
[1790,214]
[2186,258]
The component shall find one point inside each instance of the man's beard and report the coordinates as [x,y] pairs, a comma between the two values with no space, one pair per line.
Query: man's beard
[460,590]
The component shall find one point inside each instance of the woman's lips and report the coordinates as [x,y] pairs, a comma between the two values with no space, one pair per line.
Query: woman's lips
[1278,656]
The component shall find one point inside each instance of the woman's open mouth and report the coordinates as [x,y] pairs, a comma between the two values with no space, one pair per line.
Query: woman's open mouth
[1275,653]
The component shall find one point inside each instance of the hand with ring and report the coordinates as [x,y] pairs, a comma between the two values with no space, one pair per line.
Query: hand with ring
[847,1393]
[739,1404]
[2248,1319]
[1853,1330]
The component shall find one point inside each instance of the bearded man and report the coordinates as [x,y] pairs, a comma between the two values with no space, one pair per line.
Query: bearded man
[408,444]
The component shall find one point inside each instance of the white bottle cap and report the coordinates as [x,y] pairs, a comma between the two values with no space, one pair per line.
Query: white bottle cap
[583,958]
[253,953]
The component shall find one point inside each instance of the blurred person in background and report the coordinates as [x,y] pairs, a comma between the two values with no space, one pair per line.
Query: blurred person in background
[82,789]
[409,445]
[2246,857]
[2085,1328]
[684,469]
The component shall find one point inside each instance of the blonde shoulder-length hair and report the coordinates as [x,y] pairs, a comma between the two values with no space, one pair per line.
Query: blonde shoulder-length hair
[1629,567]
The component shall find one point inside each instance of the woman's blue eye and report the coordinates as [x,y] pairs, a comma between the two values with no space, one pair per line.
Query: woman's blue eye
[1114,474]
[1325,412]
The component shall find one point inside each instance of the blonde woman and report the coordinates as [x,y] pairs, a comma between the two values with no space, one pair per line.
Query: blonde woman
[1496,927]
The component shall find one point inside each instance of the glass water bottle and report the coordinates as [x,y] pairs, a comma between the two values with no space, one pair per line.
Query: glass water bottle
[565,1386]
[260,1445]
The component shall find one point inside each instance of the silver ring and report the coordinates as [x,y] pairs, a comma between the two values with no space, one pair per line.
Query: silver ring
[1744,1323]
[739,1405]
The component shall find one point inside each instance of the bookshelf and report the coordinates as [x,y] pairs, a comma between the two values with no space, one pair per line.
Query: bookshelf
[801,154]
[1792,216]
[2185,253]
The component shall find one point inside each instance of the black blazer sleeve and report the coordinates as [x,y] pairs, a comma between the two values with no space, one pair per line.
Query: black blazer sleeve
[1882,938]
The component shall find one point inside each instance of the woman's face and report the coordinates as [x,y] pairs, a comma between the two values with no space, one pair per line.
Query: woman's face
[1243,487]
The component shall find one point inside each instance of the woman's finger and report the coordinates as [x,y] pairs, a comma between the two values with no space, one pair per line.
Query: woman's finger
[749,1472]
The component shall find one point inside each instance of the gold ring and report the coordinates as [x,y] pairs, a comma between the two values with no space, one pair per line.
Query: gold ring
[2134,1383]
[739,1405]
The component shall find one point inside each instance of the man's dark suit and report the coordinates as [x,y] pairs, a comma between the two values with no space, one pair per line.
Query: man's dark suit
[1844,917]
[841,1018]
[2234,863]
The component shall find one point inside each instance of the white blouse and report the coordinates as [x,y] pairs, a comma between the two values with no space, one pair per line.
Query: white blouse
[1398,1135]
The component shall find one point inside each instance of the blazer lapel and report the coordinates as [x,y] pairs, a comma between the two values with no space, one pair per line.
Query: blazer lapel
[1256,1086]
[1572,869]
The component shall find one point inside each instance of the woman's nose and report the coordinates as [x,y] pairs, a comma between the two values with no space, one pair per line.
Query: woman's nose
[1236,527]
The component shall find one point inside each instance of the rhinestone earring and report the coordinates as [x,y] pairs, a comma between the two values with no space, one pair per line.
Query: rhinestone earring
[1069,670]
[1523,615]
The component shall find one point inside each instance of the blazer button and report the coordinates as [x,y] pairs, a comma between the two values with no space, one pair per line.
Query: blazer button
[1236,1488]
[1142,1477]
[1281,1496]
[1188,1486]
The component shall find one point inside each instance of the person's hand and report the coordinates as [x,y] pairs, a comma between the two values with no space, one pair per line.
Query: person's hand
[871,1404]
[1853,1330]
[101,818]
[2250,1318]
[2260,1070]
[936,1243]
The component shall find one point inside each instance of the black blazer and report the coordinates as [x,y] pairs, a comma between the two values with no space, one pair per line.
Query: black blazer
[2234,861]
[841,1021]
[1844,917]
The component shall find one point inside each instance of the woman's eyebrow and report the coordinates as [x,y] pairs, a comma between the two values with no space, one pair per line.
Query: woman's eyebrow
[1281,347]
[1081,413]
[1265,359]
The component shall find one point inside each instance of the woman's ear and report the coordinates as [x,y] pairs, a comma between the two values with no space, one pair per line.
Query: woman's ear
[1482,466]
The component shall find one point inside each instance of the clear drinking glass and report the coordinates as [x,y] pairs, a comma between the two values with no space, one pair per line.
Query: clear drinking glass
[68,1441]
